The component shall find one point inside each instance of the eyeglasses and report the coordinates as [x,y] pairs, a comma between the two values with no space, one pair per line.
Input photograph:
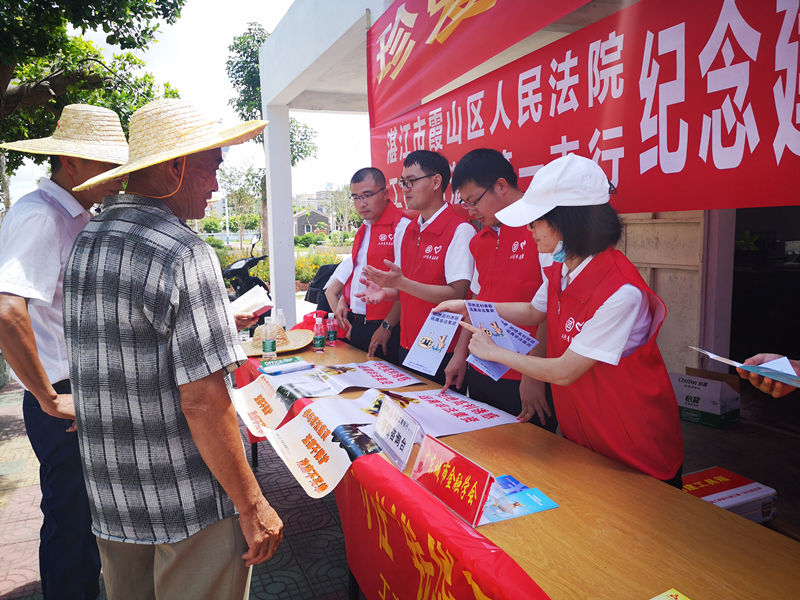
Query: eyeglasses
[365,195]
[409,183]
[474,203]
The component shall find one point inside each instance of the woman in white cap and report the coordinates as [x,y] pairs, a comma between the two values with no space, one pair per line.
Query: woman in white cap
[610,385]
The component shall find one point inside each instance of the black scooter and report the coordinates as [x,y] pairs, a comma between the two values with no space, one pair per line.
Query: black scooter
[238,273]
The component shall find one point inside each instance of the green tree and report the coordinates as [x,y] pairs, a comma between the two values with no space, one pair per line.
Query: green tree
[242,70]
[244,192]
[344,213]
[42,68]
[211,225]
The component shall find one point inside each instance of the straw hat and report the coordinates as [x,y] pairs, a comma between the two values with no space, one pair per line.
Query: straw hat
[295,340]
[83,131]
[170,128]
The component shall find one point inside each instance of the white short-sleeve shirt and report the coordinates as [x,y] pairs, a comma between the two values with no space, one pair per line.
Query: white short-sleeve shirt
[357,305]
[458,261]
[619,326]
[341,273]
[35,242]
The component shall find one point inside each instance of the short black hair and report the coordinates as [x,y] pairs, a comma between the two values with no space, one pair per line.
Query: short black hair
[430,162]
[586,230]
[376,174]
[483,166]
[55,164]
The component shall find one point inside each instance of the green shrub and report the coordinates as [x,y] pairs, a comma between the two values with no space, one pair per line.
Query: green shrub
[337,238]
[211,225]
[306,240]
[214,242]
[252,221]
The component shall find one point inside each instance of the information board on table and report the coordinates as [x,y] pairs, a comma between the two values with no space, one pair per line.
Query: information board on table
[395,432]
[433,340]
[333,379]
[461,484]
[320,443]
[483,315]
[352,425]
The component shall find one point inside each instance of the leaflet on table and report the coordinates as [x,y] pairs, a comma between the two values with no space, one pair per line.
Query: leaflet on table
[259,406]
[330,380]
[777,370]
[506,335]
[433,340]
[508,498]
[671,594]
[281,366]
[319,444]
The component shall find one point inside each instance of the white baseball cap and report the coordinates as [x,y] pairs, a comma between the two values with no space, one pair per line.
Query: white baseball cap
[570,180]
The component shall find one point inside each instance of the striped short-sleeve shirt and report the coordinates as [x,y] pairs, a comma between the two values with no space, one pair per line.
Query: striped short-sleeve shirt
[145,311]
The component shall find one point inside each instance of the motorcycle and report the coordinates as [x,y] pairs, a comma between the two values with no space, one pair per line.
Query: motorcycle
[238,274]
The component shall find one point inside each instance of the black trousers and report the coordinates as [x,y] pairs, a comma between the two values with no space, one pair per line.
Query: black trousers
[504,394]
[361,334]
[69,562]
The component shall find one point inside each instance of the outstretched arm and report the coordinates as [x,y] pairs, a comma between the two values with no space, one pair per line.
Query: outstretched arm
[564,370]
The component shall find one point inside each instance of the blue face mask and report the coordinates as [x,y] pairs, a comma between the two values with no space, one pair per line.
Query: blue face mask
[560,253]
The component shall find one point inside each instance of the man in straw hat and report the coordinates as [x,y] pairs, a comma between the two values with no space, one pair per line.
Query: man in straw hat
[150,338]
[35,241]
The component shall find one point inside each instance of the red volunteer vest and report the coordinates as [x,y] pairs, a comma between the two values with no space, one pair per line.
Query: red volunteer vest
[422,259]
[627,412]
[381,246]
[508,269]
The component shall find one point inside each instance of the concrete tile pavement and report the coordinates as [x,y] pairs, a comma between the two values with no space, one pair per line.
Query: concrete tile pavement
[20,517]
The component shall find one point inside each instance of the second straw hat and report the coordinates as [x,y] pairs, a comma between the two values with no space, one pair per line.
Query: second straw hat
[170,128]
[83,131]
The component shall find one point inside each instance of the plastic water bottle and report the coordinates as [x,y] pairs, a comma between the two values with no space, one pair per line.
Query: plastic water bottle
[280,319]
[269,345]
[319,335]
[330,333]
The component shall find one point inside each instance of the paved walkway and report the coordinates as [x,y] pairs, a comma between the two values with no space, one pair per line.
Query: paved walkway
[20,518]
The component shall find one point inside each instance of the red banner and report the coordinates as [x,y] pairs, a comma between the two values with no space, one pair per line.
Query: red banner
[403,543]
[417,46]
[686,105]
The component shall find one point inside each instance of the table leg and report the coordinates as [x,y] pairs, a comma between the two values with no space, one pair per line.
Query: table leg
[254,455]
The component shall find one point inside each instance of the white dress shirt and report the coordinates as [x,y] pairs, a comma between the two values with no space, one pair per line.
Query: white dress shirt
[35,242]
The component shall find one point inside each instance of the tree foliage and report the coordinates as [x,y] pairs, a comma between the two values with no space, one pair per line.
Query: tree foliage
[344,213]
[33,29]
[244,190]
[43,67]
[77,73]
[242,70]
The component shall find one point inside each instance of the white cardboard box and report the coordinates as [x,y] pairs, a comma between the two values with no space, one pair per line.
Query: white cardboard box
[712,399]
[733,492]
